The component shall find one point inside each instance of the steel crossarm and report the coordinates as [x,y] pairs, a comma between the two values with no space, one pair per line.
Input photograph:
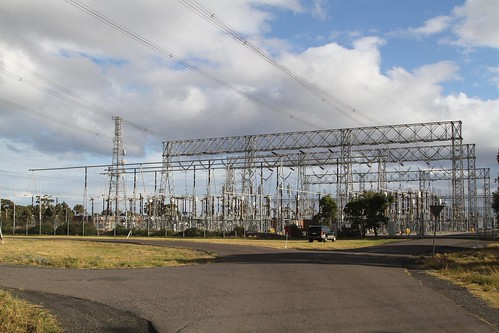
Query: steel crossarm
[324,158]
[311,140]
[397,176]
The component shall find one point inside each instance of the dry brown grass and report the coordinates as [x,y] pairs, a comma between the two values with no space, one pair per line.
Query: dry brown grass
[477,270]
[94,255]
[18,316]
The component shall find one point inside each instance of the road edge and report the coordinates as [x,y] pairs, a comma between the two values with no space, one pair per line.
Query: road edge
[457,294]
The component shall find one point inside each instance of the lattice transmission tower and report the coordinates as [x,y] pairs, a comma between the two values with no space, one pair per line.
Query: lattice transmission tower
[117,185]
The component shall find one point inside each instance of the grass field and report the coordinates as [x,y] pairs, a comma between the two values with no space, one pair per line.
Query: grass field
[94,255]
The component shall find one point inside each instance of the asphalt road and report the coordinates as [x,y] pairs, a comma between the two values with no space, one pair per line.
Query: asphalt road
[262,290]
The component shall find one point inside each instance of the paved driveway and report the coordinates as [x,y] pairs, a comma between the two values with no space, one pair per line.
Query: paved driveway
[266,290]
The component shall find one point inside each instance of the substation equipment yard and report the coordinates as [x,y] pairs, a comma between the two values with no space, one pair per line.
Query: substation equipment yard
[266,182]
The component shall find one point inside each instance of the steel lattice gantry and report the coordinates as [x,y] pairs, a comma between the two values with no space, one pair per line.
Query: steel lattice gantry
[424,177]
[397,176]
[362,136]
[325,158]
[328,157]
[390,137]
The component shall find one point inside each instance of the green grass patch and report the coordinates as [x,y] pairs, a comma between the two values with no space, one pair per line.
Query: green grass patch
[19,316]
[477,270]
[95,255]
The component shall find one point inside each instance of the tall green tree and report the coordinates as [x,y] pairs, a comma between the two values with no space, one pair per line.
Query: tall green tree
[328,210]
[495,204]
[368,211]
[24,215]
[6,211]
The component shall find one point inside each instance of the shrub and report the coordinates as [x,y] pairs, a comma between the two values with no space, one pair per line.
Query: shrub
[192,232]
[238,231]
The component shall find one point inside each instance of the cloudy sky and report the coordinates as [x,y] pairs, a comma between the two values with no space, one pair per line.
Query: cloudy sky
[68,67]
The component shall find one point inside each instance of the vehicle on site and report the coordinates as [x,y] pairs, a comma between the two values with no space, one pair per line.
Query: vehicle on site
[320,233]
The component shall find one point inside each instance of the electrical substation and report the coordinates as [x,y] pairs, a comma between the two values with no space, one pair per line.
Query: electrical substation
[267,182]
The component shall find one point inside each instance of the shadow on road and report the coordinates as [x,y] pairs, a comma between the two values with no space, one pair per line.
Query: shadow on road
[404,253]
[314,258]
[390,255]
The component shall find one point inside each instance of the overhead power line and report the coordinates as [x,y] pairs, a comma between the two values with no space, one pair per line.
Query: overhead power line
[173,57]
[72,100]
[324,96]
[65,91]
[50,118]
[92,108]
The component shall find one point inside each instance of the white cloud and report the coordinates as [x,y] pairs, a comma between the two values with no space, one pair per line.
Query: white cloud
[478,23]
[318,10]
[432,26]
[474,24]
[480,119]
[399,96]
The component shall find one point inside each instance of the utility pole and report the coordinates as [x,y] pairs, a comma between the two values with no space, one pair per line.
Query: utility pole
[40,213]
[93,216]
[14,220]
[85,200]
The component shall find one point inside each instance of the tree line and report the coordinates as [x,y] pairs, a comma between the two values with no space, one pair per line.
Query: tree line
[27,218]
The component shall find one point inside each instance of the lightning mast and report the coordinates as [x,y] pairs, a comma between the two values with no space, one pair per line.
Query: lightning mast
[117,185]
